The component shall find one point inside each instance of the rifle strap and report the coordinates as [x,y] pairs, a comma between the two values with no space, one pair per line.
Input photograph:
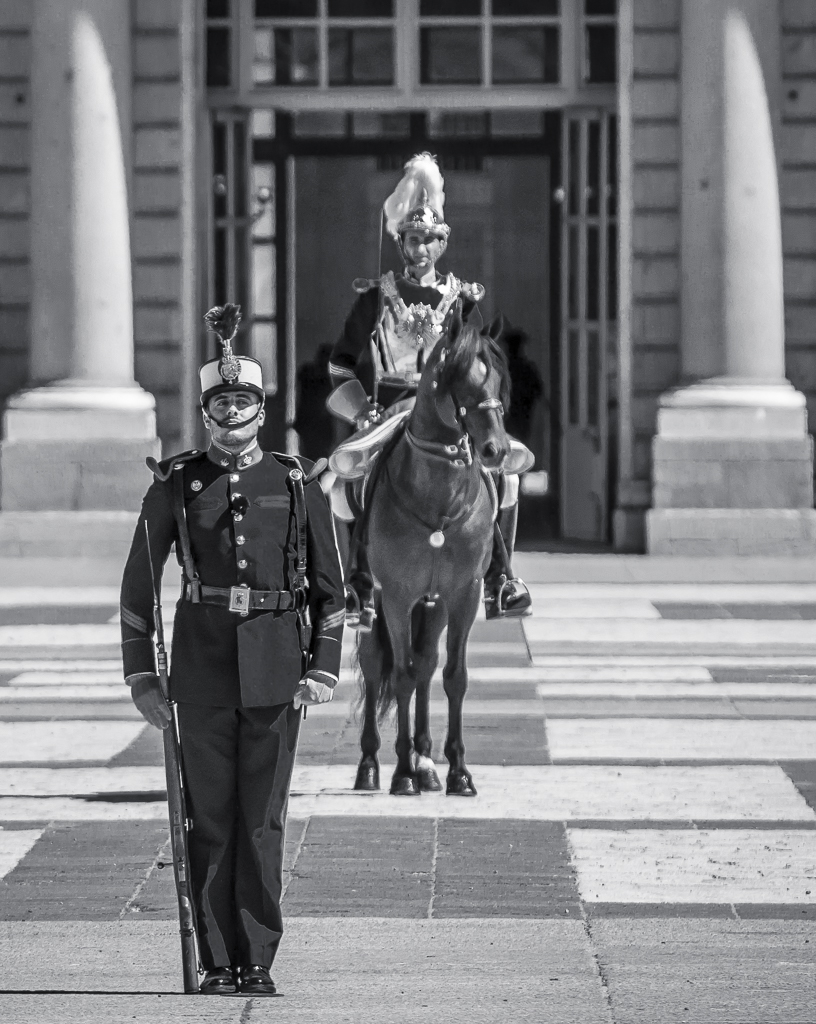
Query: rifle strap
[180,514]
[297,559]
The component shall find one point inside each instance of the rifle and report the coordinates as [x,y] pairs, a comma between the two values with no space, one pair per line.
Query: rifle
[180,824]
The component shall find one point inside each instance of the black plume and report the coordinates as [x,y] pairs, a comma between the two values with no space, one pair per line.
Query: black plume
[224,320]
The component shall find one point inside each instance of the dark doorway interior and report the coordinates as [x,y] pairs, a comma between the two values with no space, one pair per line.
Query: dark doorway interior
[505,231]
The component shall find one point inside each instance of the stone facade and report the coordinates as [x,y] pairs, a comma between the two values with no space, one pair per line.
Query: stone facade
[168,258]
[156,203]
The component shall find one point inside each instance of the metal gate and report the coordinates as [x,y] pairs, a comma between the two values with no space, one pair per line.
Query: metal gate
[588,290]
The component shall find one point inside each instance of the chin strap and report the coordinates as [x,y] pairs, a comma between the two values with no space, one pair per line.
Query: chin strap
[238,426]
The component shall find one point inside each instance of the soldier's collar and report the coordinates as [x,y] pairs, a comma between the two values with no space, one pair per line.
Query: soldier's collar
[248,457]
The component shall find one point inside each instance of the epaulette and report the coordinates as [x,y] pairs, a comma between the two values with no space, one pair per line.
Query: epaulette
[164,470]
[361,285]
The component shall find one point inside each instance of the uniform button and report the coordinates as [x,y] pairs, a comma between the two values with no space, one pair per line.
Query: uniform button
[242,563]
[240,539]
[237,517]
[235,477]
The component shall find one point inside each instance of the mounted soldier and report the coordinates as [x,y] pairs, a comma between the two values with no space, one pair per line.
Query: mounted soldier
[376,366]
[257,634]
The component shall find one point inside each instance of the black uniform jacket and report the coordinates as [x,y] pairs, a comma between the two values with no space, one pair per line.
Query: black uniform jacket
[220,658]
[351,355]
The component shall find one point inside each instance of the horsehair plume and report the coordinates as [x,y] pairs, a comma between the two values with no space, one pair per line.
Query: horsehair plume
[224,321]
[422,183]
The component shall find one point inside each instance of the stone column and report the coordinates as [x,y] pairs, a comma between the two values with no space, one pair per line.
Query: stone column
[76,439]
[732,460]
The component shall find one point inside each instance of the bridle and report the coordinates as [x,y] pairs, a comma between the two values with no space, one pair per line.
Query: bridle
[461,453]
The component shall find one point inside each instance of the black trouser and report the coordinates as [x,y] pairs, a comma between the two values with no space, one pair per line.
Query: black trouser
[237,769]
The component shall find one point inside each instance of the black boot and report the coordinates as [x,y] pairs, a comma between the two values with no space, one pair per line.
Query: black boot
[505,594]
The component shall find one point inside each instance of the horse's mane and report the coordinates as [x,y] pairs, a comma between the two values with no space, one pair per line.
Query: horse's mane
[469,345]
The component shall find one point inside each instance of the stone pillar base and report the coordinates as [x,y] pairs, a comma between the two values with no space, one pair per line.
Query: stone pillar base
[96,535]
[732,472]
[75,447]
[74,475]
[731,531]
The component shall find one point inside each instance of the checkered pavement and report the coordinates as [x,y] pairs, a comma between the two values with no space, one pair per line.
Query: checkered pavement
[638,749]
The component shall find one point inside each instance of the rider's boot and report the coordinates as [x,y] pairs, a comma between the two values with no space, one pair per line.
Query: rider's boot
[504,593]
[360,611]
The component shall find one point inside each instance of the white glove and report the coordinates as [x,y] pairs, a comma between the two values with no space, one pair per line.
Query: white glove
[314,688]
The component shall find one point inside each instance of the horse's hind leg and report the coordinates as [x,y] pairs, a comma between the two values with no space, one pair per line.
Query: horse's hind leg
[461,619]
[428,623]
[371,656]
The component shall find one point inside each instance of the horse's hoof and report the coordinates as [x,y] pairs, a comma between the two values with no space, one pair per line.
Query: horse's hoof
[404,785]
[460,784]
[428,780]
[368,777]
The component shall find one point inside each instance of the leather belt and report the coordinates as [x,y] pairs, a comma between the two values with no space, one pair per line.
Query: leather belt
[240,599]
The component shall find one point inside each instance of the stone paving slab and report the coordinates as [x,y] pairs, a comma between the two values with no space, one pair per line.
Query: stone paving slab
[64,741]
[696,866]
[330,970]
[605,793]
[547,567]
[621,739]
[82,871]
[750,636]
[705,971]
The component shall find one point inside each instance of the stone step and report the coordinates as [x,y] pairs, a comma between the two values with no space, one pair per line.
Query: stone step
[59,534]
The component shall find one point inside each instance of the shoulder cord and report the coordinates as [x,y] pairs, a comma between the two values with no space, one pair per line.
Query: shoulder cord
[180,515]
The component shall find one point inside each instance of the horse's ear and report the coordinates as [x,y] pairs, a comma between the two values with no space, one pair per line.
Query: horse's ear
[496,327]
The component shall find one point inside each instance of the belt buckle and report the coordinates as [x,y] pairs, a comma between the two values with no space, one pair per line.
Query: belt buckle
[239,600]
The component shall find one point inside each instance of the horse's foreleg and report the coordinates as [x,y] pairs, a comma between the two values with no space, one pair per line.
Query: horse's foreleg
[398,618]
[404,781]
[429,621]
[460,781]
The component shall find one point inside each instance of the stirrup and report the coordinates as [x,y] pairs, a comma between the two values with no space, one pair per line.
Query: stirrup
[359,615]
[513,589]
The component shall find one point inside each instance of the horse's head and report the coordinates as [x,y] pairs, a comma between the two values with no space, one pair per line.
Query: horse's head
[472,388]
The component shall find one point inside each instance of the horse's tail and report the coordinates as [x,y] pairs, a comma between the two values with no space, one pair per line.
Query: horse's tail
[387,694]
[375,651]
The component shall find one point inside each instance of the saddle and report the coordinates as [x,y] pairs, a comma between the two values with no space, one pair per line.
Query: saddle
[353,459]
[353,463]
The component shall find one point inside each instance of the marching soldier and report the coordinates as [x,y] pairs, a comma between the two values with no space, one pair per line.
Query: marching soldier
[257,634]
[392,327]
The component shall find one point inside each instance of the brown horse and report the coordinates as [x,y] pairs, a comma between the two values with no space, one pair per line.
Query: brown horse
[430,535]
